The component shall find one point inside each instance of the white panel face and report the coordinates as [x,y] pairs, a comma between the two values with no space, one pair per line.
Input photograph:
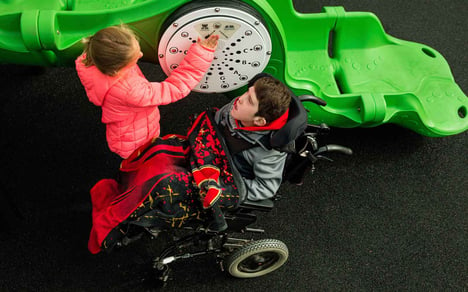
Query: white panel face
[244,47]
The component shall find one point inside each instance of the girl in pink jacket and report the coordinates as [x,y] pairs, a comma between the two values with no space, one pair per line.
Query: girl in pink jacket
[112,79]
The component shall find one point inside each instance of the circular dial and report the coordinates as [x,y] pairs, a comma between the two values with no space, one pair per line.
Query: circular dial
[244,46]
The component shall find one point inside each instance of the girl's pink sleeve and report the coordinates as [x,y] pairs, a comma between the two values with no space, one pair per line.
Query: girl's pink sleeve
[178,85]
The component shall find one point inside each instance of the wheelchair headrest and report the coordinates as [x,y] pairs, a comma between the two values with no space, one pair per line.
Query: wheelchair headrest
[294,127]
[297,119]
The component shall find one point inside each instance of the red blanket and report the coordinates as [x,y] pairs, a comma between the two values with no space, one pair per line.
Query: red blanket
[167,182]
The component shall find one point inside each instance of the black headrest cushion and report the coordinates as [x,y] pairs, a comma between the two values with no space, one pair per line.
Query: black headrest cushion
[295,126]
[297,119]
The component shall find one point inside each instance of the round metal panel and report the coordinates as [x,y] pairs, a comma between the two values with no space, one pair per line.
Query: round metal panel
[244,46]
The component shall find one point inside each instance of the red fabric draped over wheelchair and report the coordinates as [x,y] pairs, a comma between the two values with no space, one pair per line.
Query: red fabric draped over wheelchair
[167,182]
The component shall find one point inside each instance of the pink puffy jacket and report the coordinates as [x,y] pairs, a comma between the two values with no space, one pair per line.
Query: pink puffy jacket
[130,102]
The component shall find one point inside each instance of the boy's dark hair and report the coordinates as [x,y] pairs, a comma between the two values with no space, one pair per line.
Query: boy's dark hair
[273,98]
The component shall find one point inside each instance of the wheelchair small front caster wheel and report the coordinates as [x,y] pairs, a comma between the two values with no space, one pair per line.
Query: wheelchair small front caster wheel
[257,258]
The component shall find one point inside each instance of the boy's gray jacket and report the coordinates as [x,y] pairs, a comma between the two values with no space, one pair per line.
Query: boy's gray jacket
[266,164]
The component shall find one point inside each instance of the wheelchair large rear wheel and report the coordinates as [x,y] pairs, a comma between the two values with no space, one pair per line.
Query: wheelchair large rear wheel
[257,258]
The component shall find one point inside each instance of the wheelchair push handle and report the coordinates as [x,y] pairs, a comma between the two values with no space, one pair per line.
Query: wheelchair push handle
[334,148]
[314,99]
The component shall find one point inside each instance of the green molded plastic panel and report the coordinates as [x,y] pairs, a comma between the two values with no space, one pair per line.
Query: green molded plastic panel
[366,76]
[46,33]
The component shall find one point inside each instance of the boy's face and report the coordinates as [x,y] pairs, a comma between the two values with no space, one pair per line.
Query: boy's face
[245,107]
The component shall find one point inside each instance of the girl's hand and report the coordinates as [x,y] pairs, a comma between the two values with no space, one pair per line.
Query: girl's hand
[210,43]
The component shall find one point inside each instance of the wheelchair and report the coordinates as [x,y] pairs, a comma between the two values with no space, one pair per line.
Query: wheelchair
[245,257]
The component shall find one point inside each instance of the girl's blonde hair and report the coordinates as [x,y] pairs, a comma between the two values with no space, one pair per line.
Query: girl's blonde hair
[110,49]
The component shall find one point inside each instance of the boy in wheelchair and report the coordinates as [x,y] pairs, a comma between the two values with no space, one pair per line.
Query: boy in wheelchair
[247,124]
[210,181]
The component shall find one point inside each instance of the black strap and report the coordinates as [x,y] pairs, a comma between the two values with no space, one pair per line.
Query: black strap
[235,144]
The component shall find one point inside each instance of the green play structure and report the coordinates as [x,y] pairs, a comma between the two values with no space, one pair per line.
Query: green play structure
[366,76]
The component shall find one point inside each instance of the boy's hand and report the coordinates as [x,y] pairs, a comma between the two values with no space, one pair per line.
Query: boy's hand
[210,43]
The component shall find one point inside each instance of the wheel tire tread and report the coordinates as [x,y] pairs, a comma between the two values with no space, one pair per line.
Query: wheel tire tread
[250,248]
